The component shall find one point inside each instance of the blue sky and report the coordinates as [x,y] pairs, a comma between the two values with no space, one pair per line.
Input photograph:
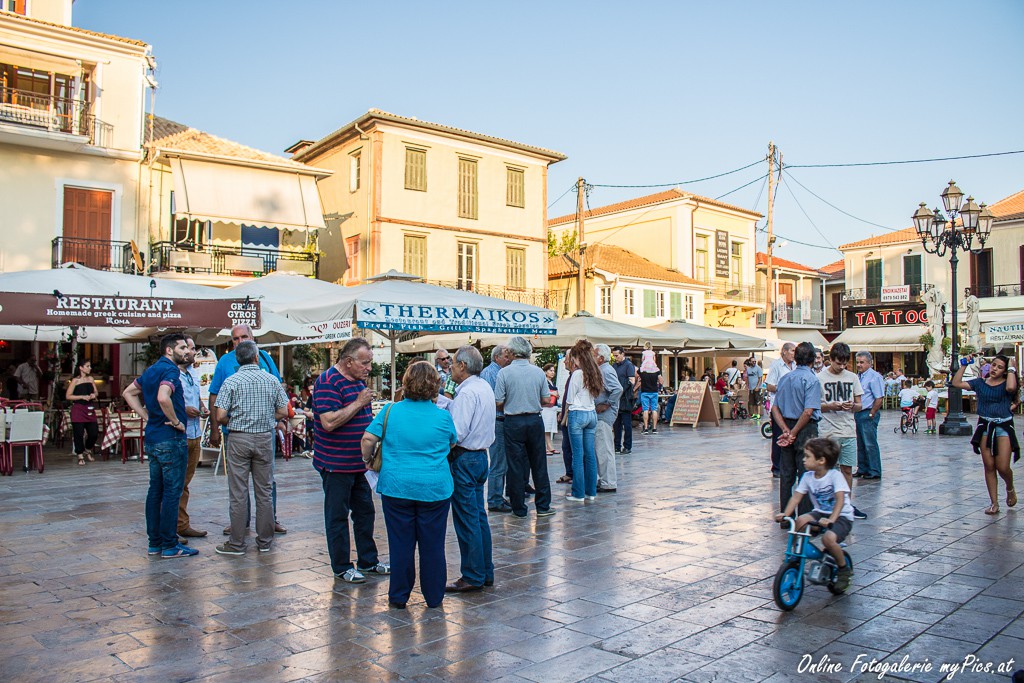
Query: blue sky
[633,93]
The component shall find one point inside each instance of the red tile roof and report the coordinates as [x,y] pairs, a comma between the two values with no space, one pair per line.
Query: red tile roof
[761,259]
[1009,209]
[648,200]
[40,22]
[171,136]
[617,260]
[834,267]
[897,237]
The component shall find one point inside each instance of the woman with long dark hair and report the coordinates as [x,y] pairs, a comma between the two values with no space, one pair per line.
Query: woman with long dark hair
[585,384]
[82,395]
[994,438]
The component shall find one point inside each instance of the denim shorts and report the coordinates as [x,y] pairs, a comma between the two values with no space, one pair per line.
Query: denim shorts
[847,451]
[998,432]
[649,400]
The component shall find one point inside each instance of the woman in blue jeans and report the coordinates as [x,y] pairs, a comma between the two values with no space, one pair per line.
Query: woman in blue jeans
[585,383]
[415,483]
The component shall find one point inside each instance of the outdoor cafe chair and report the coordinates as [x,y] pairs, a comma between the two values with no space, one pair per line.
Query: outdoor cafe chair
[27,431]
[131,431]
[6,452]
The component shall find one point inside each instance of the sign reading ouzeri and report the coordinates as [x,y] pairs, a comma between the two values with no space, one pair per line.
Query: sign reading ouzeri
[452,318]
[89,310]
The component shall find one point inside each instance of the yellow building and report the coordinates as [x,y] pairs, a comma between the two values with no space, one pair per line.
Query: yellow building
[457,208]
[71,122]
[625,287]
[706,240]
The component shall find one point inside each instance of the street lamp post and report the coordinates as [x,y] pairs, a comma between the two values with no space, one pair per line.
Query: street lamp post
[940,236]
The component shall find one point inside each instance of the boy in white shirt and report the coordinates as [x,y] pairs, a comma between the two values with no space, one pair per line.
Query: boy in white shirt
[830,495]
[931,406]
[908,399]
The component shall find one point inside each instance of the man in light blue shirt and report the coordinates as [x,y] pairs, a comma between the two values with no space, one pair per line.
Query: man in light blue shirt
[193,433]
[797,409]
[869,458]
[473,411]
[500,357]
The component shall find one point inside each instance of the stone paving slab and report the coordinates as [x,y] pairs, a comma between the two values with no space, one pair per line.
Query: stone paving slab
[669,579]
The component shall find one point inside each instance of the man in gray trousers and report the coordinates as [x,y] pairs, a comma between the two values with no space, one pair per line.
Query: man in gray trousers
[607,406]
[250,402]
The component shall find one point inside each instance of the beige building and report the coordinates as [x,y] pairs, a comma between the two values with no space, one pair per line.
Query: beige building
[709,241]
[834,275]
[625,287]
[457,208]
[798,314]
[71,122]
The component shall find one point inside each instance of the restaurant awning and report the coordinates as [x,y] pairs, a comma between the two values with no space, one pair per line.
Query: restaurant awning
[798,335]
[250,195]
[884,338]
[39,61]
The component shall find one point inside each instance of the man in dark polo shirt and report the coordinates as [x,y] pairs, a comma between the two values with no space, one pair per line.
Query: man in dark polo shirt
[341,413]
[158,397]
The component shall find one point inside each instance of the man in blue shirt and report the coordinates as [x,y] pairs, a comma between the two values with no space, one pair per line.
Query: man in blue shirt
[629,381]
[193,433]
[227,366]
[869,458]
[797,409]
[500,357]
[158,397]
[473,411]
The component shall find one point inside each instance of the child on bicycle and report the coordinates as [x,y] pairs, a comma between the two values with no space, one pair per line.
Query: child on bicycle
[931,406]
[830,495]
[908,399]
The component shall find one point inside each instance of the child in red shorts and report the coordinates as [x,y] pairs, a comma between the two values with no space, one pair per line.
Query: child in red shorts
[931,406]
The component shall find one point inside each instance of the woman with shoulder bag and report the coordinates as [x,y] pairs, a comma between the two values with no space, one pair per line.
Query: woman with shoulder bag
[82,395]
[585,384]
[415,483]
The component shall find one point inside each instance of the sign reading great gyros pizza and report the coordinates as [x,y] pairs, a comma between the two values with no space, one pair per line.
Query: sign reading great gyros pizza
[90,310]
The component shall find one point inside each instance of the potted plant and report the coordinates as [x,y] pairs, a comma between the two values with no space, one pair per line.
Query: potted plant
[927,341]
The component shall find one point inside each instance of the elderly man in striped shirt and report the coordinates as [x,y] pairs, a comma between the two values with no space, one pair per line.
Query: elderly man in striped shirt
[250,402]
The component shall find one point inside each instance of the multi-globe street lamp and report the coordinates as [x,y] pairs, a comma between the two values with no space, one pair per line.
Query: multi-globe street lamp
[941,235]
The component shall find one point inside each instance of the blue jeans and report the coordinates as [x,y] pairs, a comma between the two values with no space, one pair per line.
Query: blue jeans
[499,466]
[412,523]
[167,463]
[582,427]
[566,450]
[469,471]
[869,459]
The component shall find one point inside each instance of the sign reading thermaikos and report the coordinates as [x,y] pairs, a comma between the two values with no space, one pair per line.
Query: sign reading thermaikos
[89,310]
[410,317]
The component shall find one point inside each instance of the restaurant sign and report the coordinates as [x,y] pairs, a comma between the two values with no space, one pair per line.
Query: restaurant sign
[890,315]
[721,253]
[410,317]
[325,331]
[87,310]
[1004,334]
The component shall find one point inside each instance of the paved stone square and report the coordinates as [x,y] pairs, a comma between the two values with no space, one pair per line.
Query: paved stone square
[668,579]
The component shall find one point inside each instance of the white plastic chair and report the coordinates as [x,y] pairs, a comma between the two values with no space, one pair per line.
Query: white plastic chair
[27,431]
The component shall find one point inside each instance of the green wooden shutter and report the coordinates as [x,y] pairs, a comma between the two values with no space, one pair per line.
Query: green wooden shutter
[415,169]
[675,306]
[649,305]
[467,188]
[514,188]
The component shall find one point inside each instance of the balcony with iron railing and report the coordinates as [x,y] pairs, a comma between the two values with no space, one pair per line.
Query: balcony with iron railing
[867,296]
[533,297]
[728,291]
[108,255]
[187,258]
[984,291]
[52,113]
[794,315]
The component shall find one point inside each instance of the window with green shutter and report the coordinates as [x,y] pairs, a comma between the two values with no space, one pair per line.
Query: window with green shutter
[467,188]
[415,169]
[514,191]
[649,303]
[414,260]
[515,268]
[675,305]
[912,270]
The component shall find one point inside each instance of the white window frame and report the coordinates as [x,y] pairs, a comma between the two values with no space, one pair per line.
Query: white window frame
[604,299]
[696,274]
[736,264]
[355,170]
[629,301]
[688,306]
[467,260]
[659,304]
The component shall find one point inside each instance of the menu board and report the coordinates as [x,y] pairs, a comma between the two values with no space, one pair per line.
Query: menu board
[694,404]
[721,253]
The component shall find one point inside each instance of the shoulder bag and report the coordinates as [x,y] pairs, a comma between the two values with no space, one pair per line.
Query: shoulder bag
[377,459]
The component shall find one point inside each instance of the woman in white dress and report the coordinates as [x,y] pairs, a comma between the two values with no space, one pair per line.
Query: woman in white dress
[550,414]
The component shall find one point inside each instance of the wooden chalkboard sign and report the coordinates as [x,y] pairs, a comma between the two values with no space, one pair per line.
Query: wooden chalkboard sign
[695,404]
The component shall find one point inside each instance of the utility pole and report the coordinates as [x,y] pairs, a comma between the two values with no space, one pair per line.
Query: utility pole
[770,281]
[580,271]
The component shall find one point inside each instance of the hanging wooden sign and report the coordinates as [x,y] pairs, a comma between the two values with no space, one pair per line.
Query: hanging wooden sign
[695,404]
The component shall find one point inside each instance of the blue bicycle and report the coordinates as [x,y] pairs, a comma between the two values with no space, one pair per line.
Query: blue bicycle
[805,562]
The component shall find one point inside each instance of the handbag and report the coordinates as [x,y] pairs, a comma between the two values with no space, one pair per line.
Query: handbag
[377,459]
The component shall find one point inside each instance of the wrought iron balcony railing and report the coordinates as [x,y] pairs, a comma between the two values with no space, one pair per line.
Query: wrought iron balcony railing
[185,257]
[793,315]
[57,114]
[733,292]
[99,254]
[533,297]
[984,291]
[873,295]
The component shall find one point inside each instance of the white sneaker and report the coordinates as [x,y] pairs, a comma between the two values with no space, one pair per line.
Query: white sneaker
[590,497]
[574,500]
[379,568]
[352,575]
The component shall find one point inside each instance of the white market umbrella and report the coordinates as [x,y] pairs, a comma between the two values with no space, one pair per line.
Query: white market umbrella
[274,329]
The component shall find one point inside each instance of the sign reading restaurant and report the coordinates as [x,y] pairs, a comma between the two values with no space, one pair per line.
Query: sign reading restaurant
[17,308]
[888,315]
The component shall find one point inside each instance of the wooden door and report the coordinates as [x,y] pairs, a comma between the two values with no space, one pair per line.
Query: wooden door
[87,219]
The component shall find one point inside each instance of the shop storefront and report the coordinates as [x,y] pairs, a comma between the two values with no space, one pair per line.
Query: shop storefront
[892,333]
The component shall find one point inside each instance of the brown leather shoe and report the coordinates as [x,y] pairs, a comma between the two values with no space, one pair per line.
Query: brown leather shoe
[461,586]
[192,533]
[278,529]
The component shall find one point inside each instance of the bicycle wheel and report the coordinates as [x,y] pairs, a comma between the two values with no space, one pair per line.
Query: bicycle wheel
[903,423]
[766,429]
[788,587]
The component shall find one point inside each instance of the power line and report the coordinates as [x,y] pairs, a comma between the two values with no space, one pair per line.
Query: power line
[759,193]
[845,213]
[907,161]
[691,182]
[571,188]
[816,228]
[761,177]
[790,239]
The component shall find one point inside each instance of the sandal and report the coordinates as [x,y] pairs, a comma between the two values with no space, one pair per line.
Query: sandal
[564,480]
[88,456]
[992,509]
[81,461]
[1011,498]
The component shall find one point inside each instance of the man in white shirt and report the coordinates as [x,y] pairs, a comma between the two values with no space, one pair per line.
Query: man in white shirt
[732,375]
[840,399]
[473,411]
[777,371]
[28,374]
